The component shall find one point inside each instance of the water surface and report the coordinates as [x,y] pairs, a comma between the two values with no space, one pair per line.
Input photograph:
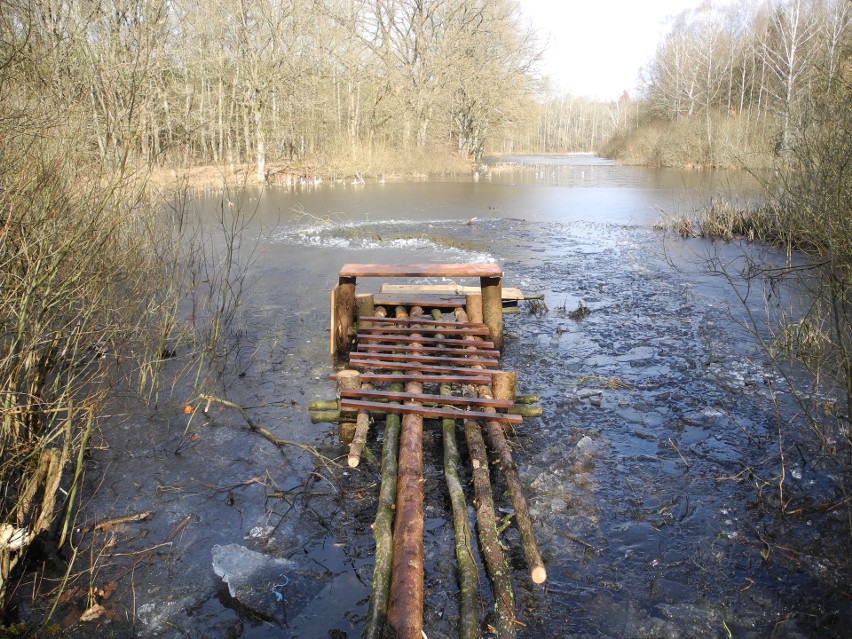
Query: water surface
[653,475]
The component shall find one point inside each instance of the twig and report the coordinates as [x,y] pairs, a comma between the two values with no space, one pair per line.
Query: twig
[269,435]
[682,458]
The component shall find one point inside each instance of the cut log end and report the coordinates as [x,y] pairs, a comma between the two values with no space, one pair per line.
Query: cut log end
[353,463]
[539,574]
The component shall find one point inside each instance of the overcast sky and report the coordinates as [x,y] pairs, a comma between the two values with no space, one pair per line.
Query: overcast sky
[595,48]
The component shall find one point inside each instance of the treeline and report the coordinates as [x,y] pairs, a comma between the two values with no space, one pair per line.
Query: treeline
[733,83]
[566,123]
[179,82]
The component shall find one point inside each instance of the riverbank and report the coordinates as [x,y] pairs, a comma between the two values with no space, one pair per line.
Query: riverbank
[293,173]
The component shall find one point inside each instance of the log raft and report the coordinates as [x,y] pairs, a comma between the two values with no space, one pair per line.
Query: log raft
[443,368]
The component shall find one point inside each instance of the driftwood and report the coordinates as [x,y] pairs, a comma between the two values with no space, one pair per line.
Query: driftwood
[378,607]
[468,573]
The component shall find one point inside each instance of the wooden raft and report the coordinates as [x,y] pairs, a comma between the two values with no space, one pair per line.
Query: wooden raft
[404,366]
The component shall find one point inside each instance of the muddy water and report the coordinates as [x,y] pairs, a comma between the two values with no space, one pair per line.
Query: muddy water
[653,475]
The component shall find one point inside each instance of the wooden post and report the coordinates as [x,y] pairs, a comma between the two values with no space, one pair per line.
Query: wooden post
[492,308]
[364,307]
[503,384]
[347,380]
[473,304]
[344,314]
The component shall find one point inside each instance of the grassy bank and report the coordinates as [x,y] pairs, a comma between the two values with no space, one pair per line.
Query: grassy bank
[722,141]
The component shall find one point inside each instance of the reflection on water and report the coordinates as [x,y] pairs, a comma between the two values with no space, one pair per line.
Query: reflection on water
[657,407]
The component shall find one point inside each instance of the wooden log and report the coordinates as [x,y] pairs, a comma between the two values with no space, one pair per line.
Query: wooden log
[492,308]
[405,604]
[498,443]
[468,574]
[323,404]
[382,530]
[320,416]
[347,380]
[362,425]
[344,314]
[489,543]
[364,307]
[524,410]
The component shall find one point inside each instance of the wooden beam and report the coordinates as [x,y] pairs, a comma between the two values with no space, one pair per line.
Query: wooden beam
[426,379]
[430,368]
[509,293]
[403,339]
[427,359]
[421,322]
[425,398]
[426,350]
[428,411]
[421,270]
[406,330]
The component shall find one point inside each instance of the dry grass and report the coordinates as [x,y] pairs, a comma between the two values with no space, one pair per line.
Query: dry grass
[343,165]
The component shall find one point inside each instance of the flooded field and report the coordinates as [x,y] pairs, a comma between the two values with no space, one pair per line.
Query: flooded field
[674,490]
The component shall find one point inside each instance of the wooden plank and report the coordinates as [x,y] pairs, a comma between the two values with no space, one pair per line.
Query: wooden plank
[424,322]
[426,379]
[426,359]
[421,270]
[428,350]
[411,366]
[444,301]
[425,398]
[509,293]
[404,339]
[426,330]
[429,411]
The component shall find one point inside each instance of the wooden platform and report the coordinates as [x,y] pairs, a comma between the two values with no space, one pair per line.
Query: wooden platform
[429,352]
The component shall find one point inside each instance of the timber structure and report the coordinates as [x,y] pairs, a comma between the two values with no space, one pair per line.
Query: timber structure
[430,352]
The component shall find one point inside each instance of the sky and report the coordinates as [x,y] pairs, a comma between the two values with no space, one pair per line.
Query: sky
[595,48]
